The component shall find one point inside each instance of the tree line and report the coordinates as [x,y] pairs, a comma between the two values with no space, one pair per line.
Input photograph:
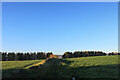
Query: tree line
[86,53]
[12,56]
[19,56]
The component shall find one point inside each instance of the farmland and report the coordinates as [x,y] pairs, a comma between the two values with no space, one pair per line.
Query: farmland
[84,67]
[8,66]
[93,67]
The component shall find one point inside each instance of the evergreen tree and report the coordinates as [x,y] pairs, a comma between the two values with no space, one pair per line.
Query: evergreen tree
[19,56]
[49,53]
[4,56]
[67,55]
[11,56]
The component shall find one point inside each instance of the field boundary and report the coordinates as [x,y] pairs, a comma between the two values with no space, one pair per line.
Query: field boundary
[36,64]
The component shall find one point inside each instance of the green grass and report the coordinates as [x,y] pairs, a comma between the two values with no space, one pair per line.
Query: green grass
[17,64]
[8,66]
[84,67]
[92,67]
[93,61]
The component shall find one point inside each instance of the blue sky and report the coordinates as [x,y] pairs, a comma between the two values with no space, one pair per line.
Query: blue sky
[59,26]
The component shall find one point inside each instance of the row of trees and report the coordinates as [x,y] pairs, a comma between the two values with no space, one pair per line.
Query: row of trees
[12,56]
[113,53]
[86,53]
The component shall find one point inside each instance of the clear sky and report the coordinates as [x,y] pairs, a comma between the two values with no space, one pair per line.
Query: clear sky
[59,26]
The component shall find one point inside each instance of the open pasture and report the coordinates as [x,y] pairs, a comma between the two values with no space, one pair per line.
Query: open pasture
[83,67]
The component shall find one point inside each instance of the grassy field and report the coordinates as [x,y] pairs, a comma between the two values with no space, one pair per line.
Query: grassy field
[18,64]
[84,67]
[8,66]
[92,67]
